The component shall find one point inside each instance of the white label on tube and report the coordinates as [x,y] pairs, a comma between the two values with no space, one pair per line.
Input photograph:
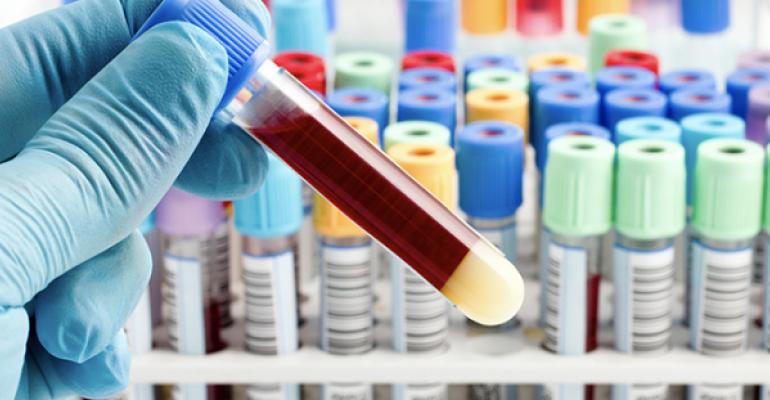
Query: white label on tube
[278,391]
[504,238]
[140,391]
[347,298]
[346,391]
[644,282]
[719,299]
[185,316]
[420,314]
[271,303]
[766,299]
[715,392]
[493,392]
[139,326]
[764,392]
[190,391]
[653,391]
[572,391]
[542,260]
[420,391]
[566,304]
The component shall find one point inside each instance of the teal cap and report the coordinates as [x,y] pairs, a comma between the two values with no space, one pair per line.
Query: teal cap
[650,189]
[276,209]
[657,128]
[497,78]
[612,32]
[363,69]
[300,25]
[727,201]
[578,186]
[422,132]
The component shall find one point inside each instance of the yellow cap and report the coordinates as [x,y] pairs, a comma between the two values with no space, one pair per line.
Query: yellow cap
[588,9]
[328,220]
[490,104]
[484,16]
[431,165]
[556,60]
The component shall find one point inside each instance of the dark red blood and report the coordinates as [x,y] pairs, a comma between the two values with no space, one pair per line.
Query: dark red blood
[592,314]
[428,59]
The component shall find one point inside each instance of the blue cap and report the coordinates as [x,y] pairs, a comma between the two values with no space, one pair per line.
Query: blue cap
[300,25]
[564,103]
[490,165]
[740,82]
[626,103]
[551,77]
[361,102]
[491,61]
[696,129]
[686,102]
[647,128]
[431,25]
[148,224]
[276,209]
[686,78]
[331,14]
[246,48]
[427,77]
[611,78]
[428,104]
[705,16]
[567,129]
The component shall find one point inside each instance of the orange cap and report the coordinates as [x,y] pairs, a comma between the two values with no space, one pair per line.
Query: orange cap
[554,60]
[588,9]
[328,220]
[484,16]
[432,166]
[489,104]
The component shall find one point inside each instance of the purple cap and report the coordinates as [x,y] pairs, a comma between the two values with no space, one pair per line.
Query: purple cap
[659,14]
[759,110]
[181,213]
[756,59]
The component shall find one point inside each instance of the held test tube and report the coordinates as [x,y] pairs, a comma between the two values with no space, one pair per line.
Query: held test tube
[649,213]
[353,174]
[268,223]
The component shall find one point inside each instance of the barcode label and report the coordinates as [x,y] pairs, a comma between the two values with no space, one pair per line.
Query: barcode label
[420,313]
[565,300]
[277,391]
[503,238]
[420,391]
[139,326]
[184,303]
[715,392]
[347,297]
[215,257]
[493,392]
[346,391]
[719,300]
[644,282]
[572,391]
[653,391]
[764,392]
[271,304]
[543,265]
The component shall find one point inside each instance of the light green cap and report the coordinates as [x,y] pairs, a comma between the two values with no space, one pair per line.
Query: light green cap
[363,70]
[614,31]
[650,189]
[766,218]
[727,202]
[421,132]
[497,78]
[578,186]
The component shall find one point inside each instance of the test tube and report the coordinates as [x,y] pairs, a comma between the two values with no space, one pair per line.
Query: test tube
[632,58]
[300,25]
[492,104]
[765,389]
[686,102]
[430,25]
[577,213]
[195,245]
[588,10]
[622,104]
[611,32]
[431,77]
[740,82]
[355,176]
[553,77]
[423,132]
[484,17]
[550,60]
[428,59]
[363,69]
[756,117]
[754,59]
[497,78]
[536,18]
[562,103]
[672,81]
[268,223]
[361,102]
[649,214]
[428,104]
[655,128]
[308,68]
[484,61]
[613,78]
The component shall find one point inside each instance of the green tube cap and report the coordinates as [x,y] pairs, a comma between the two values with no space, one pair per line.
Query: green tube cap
[363,69]
[497,78]
[727,202]
[650,189]
[578,186]
[420,132]
[614,31]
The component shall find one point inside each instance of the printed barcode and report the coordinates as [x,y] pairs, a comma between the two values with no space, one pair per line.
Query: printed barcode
[487,392]
[423,312]
[274,391]
[215,256]
[552,301]
[170,291]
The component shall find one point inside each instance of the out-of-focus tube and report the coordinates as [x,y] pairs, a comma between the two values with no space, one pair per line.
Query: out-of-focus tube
[307,67]
[740,82]
[686,102]
[535,18]
[672,81]
[354,174]
[613,32]
[543,61]
[756,117]
[498,105]
[622,104]
[754,59]
[428,59]
[361,102]
[632,58]
[428,104]
[589,9]
[483,17]
[559,104]
[497,78]
[659,15]
[363,70]
[300,25]
[766,274]
[417,78]
[485,61]
[613,78]
[430,25]
[416,132]
[653,128]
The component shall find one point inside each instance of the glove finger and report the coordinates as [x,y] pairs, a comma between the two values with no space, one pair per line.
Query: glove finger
[49,57]
[80,312]
[105,159]
[227,164]
[15,324]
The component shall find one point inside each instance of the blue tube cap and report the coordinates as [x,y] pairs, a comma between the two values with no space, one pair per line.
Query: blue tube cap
[556,77]
[427,78]
[567,129]
[276,209]
[361,102]
[431,25]
[491,61]
[740,82]
[300,25]
[611,78]
[705,16]
[686,102]
[655,128]
[490,165]
[246,48]
[627,103]
[686,78]
[564,103]
[428,104]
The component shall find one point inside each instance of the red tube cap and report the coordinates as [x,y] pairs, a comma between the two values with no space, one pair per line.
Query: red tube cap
[308,68]
[429,59]
[632,58]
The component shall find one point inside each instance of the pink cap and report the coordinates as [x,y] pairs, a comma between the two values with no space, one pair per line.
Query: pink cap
[658,14]
[754,59]
[181,213]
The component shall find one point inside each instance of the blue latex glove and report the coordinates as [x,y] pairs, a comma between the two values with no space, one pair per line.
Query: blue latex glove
[94,129]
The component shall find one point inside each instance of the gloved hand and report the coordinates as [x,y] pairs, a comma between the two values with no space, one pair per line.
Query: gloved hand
[94,129]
